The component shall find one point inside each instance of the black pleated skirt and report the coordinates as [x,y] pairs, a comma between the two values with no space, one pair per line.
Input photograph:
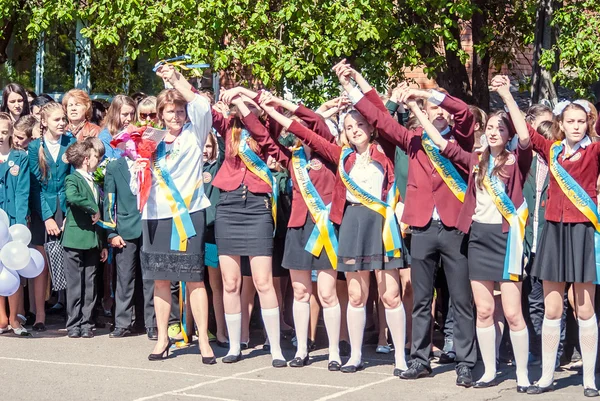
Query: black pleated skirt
[243,224]
[360,242]
[39,235]
[159,262]
[296,257]
[487,251]
[566,253]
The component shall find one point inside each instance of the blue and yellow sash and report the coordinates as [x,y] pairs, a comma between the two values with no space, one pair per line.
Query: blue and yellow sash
[445,168]
[578,197]
[111,224]
[323,234]
[517,220]
[260,168]
[391,235]
[183,228]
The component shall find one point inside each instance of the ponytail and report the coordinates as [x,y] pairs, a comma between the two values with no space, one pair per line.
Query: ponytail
[236,136]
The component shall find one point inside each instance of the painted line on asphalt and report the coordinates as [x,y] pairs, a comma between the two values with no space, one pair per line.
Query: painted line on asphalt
[355,389]
[292,383]
[208,397]
[362,372]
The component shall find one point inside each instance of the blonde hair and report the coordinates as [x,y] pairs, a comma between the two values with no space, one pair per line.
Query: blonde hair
[6,117]
[82,98]
[149,102]
[112,121]
[45,113]
[354,114]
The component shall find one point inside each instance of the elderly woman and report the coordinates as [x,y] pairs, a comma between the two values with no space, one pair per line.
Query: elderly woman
[78,108]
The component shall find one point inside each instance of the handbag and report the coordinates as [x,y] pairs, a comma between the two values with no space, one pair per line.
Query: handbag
[55,253]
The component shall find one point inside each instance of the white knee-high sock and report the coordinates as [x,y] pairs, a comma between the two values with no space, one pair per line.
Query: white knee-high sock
[357,318]
[271,322]
[486,338]
[396,321]
[301,319]
[550,340]
[520,344]
[588,342]
[234,329]
[332,317]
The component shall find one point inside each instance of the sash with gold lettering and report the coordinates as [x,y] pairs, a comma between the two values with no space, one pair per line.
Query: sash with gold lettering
[391,234]
[517,219]
[183,228]
[445,168]
[260,168]
[323,234]
[578,196]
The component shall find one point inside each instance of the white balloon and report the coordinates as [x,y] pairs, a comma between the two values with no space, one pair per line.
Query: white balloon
[4,218]
[35,266]
[20,233]
[15,255]
[9,282]
[4,233]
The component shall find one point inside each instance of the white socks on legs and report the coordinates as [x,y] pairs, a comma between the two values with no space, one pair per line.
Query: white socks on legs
[520,344]
[234,328]
[486,338]
[271,321]
[301,321]
[332,317]
[550,340]
[396,321]
[357,318]
[588,342]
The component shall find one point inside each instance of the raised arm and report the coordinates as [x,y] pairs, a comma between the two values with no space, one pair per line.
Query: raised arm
[501,84]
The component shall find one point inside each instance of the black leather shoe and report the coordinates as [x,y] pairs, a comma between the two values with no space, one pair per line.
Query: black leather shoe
[464,377]
[535,389]
[87,333]
[416,370]
[232,358]
[39,326]
[152,333]
[279,363]
[398,372]
[119,332]
[223,344]
[522,389]
[299,362]
[352,368]
[491,383]
[74,333]
[446,358]
[590,392]
[209,360]
[334,366]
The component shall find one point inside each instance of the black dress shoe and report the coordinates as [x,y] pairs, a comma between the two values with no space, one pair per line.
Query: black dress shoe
[464,377]
[491,383]
[87,333]
[232,358]
[279,363]
[415,371]
[119,332]
[446,358]
[152,333]
[334,366]
[398,372]
[223,344]
[39,326]
[352,368]
[522,389]
[209,360]
[535,389]
[74,333]
[590,392]
[299,362]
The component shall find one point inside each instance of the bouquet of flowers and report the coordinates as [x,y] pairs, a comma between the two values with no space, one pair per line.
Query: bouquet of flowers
[99,173]
[139,143]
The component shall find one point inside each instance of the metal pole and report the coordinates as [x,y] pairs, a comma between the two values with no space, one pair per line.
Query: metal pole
[39,66]
[83,53]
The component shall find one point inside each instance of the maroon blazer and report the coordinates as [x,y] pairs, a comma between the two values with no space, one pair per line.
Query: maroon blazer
[233,171]
[514,176]
[425,189]
[582,166]
[331,152]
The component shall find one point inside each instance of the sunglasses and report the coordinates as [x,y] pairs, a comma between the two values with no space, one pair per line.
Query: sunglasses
[145,116]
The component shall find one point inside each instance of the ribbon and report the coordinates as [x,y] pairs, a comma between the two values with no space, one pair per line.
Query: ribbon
[179,61]
[578,196]
[256,165]
[445,168]
[517,220]
[183,314]
[323,234]
[111,223]
[183,228]
[392,240]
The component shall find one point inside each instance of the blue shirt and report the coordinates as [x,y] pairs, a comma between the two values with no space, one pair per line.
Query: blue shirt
[109,151]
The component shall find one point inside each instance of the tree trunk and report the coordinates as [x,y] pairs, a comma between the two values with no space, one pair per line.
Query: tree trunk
[7,31]
[481,65]
[542,86]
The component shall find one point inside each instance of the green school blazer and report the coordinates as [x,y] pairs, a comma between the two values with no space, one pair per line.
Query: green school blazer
[14,184]
[79,231]
[530,194]
[120,204]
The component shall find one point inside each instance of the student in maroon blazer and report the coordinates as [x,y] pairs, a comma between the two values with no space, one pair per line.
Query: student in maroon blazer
[360,230]
[432,210]
[244,226]
[489,229]
[300,227]
[566,251]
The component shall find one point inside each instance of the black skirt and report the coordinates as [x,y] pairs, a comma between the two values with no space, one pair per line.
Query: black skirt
[566,253]
[361,244]
[296,257]
[277,269]
[39,235]
[244,225]
[487,251]
[159,262]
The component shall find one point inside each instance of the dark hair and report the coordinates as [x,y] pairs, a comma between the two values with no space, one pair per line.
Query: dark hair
[535,111]
[41,101]
[77,152]
[98,112]
[96,144]
[481,119]
[501,159]
[559,134]
[213,141]
[14,88]
[138,97]
[26,124]
[546,129]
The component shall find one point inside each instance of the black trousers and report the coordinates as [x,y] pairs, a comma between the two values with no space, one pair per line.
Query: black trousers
[80,271]
[133,294]
[428,245]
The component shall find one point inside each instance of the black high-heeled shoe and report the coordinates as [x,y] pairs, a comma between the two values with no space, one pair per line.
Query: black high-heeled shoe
[209,360]
[160,356]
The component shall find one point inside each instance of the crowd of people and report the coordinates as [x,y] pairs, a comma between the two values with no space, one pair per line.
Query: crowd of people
[367,203]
